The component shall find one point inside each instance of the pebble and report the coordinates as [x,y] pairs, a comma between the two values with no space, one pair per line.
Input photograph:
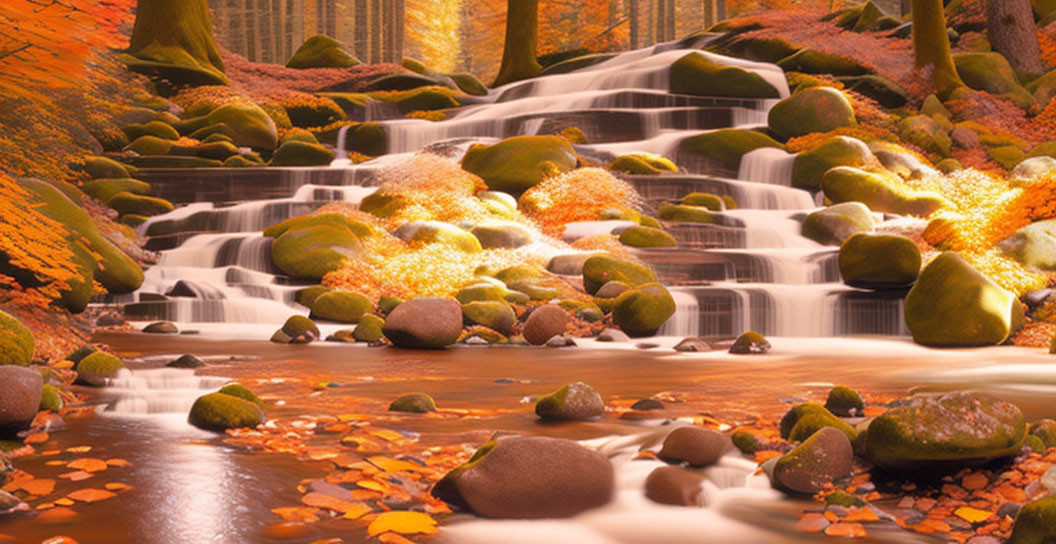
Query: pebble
[647,404]
[695,446]
[676,486]
[1049,479]
[1009,509]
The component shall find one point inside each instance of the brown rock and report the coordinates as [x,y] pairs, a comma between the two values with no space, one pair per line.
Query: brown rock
[544,323]
[676,486]
[424,323]
[696,446]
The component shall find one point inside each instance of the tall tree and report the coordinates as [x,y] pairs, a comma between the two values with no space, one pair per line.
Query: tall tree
[635,21]
[931,45]
[522,31]
[1010,27]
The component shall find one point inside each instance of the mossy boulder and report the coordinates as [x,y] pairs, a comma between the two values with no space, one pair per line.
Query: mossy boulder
[438,232]
[244,393]
[127,203]
[425,99]
[823,458]
[762,49]
[102,167]
[880,192]
[815,421]
[414,403]
[845,402]
[835,224]
[481,291]
[96,369]
[699,74]
[642,164]
[220,412]
[809,167]
[727,146]
[520,272]
[750,343]
[885,92]
[370,139]
[1044,430]
[639,236]
[307,296]
[1033,245]
[1036,522]
[495,315]
[469,83]
[244,122]
[712,202]
[297,153]
[682,213]
[601,269]
[643,310]
[927,134]
[812,61]
[575,401]
[341,306]
[798,412]
[296,330]
[148,146]
[321,51]
[940,431]
[330,219]
[311,252]
[104,189]
[502,234]
[16,341]
[241,161]
[369,329]
[817,109]
[992,73]
[536,289]
[517,164]
[747,442]
[424,323]
[953,304]
[51,399]
[152,128]
[879,261]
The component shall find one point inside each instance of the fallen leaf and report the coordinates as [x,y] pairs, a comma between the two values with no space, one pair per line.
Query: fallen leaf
[118,463]
[322,500]
[373,485]
[39,486]
[972,515]
[403,522]
[64,502]
[117,486]
[57,515]
[88,464]
[393,538]
[91,495]
[36,438]
[851,530]
[392,465]
[79,449]
[76,476]
[359,511]
[297,513]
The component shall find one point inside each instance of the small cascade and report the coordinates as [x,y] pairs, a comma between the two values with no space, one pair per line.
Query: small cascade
[157,391]
[686,319]
[768,165]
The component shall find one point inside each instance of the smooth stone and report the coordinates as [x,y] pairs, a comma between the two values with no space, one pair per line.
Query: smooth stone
[575,401]
[545,322]
[23,388]
[162,327]
[424,323]
[696,446]
[823,458]
[647,404]
[187,361]
[415,403]
[613,335]
[561,341]
[692,344]
[675,486]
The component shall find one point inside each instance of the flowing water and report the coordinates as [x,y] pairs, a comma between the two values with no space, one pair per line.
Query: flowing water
[750,270]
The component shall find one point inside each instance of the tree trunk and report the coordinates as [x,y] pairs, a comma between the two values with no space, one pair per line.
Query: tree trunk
[931,46]
[398,29]
[906,6]
[522,31]
[634,28]
[1010,27]
[360,30]
[661,21]
[375,31]
[669,24]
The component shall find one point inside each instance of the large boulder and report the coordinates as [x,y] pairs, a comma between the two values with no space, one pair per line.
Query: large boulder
[424,323]
[1033,245]
[812,61]
[825,457]
[296,153]
[244,122]
[23,388]
[495,315]
[544,323]
[880,192]
[1036,522]
[699,74]
[953,304]
[530,477]
[341,306]
[321,51]
[639,236]
[575,401]
[97,369]
[642,164]
[818,109]
[517,164]
[992,73]
[643,310]
[311,252]
[695,446]
[837,223]
[16,341]
[728,145]
[809,167]
[603,268]
[879,261]
[945,431]
[219,412]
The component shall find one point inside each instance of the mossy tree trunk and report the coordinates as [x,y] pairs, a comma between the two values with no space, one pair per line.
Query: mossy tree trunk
[1012,32]
[177,33]
[931,46]
[522,30]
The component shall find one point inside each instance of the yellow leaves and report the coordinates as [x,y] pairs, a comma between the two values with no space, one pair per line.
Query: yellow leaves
[88,464]
[972,515]
[89,495]
[405,523]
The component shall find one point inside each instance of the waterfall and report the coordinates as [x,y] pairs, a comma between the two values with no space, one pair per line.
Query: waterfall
[768,165]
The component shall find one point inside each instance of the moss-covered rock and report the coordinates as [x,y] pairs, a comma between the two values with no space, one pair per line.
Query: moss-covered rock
[1036,522]
[727,146]
[601,269]
[575,401]
[1044,430]
[341,306]
[879,261]
[885,92]
[992,73]
[639,236]
[241,161]
[798,412]
[816,421]
[431,98]
[152,128]
[502,234]
[747,442]
[244,393]
[482,291]
[712,202]
[369,329]
[98,368]
[536,289]
[128,203]
[643,310]
[307,296]
[953,304]
[51,399]
[219,412]
[927,134]
[102,167]
[835,224]
[244,122]
[297,153]
[809,167]
[762,49]
[699,74]
[1033,245]
[495,315]
[311,252]
[149,146]
[845,402]
[880,192]
[818,109]
[321,51]
[469,83]
[686,214]
[173,43]
[330,219]
[750,343]
[415,403]
[950,430]
[517,164]
[812,61]
[16,341]
[825,457]
[296,330]
[438,232]
[370,139]
[104,189]
[642,164]
[519,272]
[175,161]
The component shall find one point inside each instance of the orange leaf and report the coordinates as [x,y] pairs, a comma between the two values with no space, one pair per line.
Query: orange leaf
[39,487]
[117,463]
[117,486]
[359,511]
[393,538]
[88,464]
[91,495]
[297,513]
[36,438]
[406,523]
[76,476]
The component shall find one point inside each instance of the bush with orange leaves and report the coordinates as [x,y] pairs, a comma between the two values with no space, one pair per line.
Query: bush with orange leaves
[579,195]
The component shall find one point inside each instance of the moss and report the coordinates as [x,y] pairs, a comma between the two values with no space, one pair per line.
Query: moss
[481,292]
[16,341]
[133,220]
[495,315]
[240,161]
[430,98]
[879,261]
[537,290]
[102,167]
[215,150]
[321,51]
[642,164]
[296,329]
[80,353]
[383,205]
[173,41]
[748,443]
[1036,522]
[149,145]
[97,368]
[369,329]
[697,74]
[727,146]
[925,133]
[242,392]
[845,402]
[517,164]
[173,161]
[1007,156]
[814,422]
[51,399]
[438,232]
[601,269]
[750,343]
[311,252]
[818,109]
[885,92]
[387,304]
[219,412]
[844,499]
[415,403]
[754,48]
[881,193]
[686,214]
[104,189]
[639,236]
[712,202]
[811,61]
[128,203]
[520,272]
[643,310]
[295,153]
[469,83]
[1044,430]
[307,296]
[330,219]
[370,139]
[990,72]
[341,306]
[152,128]
[796,413]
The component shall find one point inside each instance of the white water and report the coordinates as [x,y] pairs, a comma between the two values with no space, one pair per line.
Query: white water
[767,165]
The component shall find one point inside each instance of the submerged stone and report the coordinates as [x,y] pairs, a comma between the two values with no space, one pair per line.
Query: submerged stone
[219,412]
[415,403]
[575,401]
